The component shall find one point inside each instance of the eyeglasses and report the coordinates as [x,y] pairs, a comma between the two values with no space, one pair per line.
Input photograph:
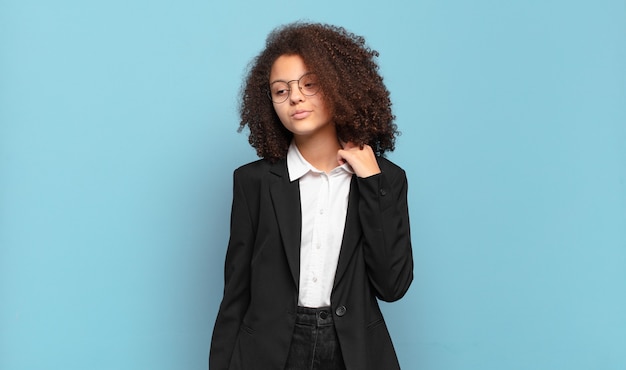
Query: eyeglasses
[280,91]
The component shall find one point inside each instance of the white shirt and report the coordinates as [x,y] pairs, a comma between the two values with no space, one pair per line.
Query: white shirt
[324,202]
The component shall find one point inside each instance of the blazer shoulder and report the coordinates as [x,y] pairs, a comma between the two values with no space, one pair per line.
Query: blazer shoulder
[253,169]
[389,167]
[260,170]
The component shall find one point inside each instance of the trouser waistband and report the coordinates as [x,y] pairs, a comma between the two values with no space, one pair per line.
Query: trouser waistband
[321,316]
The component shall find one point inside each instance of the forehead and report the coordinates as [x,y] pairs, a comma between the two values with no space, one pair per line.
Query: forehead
[288,67]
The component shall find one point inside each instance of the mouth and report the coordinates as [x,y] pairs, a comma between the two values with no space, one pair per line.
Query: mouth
[300,114]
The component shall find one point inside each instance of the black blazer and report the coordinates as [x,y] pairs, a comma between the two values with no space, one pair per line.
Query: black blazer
[256,318]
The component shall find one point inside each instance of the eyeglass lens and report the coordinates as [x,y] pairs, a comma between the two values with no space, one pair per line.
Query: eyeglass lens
[280,90]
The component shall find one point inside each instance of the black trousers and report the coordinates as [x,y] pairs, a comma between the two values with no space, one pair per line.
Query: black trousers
[314,345]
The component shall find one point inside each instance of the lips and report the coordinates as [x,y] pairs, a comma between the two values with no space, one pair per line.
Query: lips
[301,114]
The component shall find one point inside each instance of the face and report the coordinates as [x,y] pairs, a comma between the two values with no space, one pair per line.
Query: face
[304,116]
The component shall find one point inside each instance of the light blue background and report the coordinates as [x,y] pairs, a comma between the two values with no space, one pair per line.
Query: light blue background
[118,141]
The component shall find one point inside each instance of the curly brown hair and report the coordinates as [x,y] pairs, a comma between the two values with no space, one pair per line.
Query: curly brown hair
[354,91]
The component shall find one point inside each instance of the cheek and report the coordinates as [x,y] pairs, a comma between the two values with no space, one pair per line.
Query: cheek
[278,109]
[323,109]
[320,103]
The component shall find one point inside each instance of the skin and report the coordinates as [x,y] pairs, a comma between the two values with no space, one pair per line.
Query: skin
[312,126]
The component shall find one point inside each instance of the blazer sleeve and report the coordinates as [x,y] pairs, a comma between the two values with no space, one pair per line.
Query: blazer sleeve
[384,217]
[236,280]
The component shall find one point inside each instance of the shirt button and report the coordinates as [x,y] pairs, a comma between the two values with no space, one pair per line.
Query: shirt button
[383,192]
[340,311]
[315,280]
[321,211]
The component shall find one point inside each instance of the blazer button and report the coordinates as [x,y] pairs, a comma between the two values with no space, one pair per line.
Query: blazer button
[340,311]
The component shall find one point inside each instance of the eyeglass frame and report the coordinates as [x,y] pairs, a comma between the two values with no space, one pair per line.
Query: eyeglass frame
[269,91]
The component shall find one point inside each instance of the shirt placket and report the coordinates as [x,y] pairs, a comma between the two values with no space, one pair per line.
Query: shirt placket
[320,235]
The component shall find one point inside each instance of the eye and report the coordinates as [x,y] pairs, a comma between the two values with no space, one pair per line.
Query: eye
[280,89]
[309,84]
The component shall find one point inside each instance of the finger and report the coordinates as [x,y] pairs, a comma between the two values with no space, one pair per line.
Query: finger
[340,158]
[347,145]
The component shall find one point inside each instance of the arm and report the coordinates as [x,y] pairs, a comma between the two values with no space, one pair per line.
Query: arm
[236,281]
[384,217]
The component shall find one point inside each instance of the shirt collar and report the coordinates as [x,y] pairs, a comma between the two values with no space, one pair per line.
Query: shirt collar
[298,166]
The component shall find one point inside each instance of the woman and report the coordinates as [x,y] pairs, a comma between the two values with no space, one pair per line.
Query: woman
[319,225]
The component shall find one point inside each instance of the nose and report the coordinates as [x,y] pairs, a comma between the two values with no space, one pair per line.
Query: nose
[295,94]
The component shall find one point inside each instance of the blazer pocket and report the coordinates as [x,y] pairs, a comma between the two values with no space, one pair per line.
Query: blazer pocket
[246,329]
[374,324]
[245,355]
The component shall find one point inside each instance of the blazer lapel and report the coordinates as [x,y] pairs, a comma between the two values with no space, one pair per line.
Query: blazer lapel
[351,233]
[286,200]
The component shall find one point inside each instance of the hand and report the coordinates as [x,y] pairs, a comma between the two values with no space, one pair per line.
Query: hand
[360,158]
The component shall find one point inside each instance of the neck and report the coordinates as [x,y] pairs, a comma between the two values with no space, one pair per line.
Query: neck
[320,151]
